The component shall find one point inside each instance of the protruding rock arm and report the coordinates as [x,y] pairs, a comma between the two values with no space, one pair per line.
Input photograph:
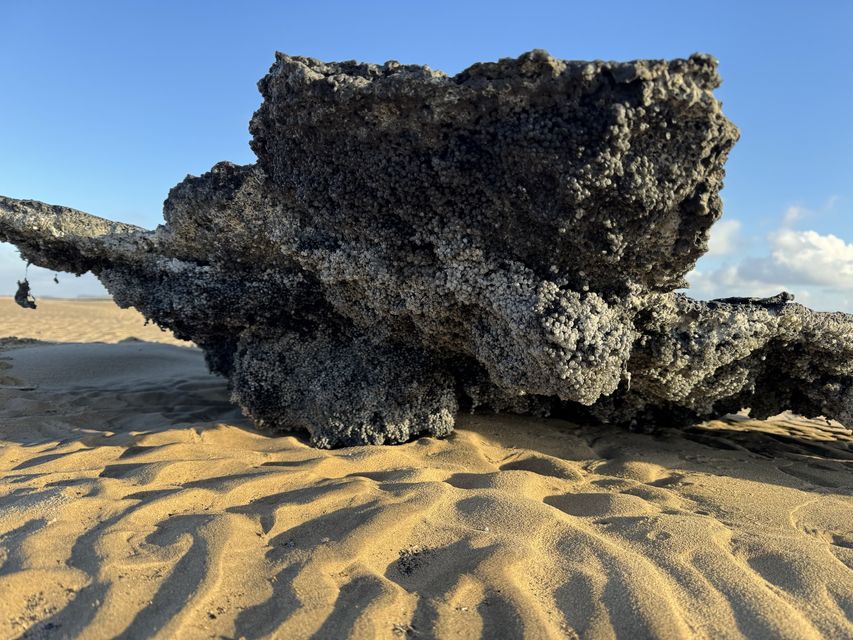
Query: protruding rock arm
[697,360]
[65,239]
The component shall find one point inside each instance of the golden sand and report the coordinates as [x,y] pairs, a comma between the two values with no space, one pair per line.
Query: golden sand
[135,501]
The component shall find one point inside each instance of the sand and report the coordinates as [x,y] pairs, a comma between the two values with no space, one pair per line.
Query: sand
[82,320]
[135,501]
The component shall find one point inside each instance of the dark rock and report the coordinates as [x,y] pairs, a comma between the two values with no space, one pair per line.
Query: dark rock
[509,238]
[22,295]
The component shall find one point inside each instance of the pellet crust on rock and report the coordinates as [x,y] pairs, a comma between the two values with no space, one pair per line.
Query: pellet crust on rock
[409,244]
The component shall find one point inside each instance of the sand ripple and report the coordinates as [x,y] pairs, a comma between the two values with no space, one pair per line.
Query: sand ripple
[136,502]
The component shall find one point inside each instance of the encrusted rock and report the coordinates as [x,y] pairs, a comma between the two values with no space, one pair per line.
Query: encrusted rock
[510,238]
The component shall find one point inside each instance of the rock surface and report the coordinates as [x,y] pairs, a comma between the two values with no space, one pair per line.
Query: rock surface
[509,238]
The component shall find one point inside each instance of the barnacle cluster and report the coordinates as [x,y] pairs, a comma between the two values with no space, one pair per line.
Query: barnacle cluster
[409,244]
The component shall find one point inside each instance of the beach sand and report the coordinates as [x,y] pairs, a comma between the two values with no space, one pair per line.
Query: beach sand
[136,501]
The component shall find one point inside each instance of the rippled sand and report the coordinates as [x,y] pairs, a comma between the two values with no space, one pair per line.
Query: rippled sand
[135,501]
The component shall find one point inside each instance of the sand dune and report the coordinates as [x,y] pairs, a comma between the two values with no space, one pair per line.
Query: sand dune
[135,501]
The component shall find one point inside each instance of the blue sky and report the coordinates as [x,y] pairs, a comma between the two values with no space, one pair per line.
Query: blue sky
[106,105]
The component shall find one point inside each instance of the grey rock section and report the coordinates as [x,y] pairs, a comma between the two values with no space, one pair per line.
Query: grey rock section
[696,360]
[411,244]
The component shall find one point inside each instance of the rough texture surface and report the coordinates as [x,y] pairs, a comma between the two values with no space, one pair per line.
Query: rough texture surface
[508,238]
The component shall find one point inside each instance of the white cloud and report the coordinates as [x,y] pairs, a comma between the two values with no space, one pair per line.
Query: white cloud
[817,268]
[797,212]
[808,257]
[794,213]
[727,281]
[724,238]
